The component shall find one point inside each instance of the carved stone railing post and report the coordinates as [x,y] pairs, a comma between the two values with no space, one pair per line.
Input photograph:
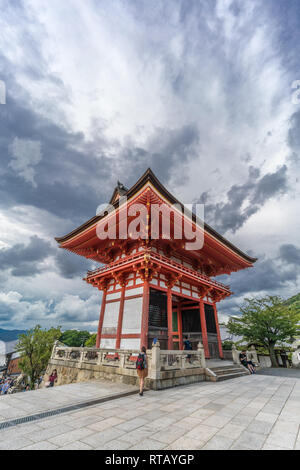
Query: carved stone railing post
[296,354]
[122,356]
[235,355]
[81,358]
[155,366]
[99,361]
[252,355]
[201,354]
[54,349]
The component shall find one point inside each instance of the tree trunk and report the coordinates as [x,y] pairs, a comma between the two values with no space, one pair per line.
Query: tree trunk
[32,381]
[273,355]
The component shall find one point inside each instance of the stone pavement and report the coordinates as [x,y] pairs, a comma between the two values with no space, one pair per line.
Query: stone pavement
[280,372]
[251,412]
[28,403]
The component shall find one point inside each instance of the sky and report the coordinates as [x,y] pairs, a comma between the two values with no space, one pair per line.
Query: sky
[92,92]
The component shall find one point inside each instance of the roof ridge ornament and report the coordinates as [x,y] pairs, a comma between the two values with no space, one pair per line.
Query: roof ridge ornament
[121,186]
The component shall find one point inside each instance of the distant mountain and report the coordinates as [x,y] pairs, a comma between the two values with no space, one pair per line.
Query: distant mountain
[10,335]
[295,300]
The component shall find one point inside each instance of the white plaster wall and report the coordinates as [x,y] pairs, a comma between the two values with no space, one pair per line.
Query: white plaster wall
[111,316]
[114,296]
[108,343]
[185,285]
[132,316]
[130,343]
[186,292]
[137,291]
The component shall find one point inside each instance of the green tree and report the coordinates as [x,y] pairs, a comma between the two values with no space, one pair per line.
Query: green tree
[35,347]
[266,321]
[227,345]
[91,341]
[74,337]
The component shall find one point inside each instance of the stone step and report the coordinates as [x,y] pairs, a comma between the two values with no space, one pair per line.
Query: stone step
[220,371]
[226,373]
[232,366]
[220,378]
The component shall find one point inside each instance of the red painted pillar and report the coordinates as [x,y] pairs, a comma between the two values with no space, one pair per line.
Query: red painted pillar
[145,316]
[179,316]
[218,332]
[120,320]
[204,329]
[101,318]
[170,317]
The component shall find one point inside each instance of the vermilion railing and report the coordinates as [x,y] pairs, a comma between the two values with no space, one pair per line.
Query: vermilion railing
[162,260]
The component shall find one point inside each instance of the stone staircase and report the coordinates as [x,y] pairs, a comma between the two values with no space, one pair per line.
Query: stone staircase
[225,372]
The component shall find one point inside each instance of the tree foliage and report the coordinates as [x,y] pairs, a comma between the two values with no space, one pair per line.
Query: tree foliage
[266,321]
[74,337]
[91,342]
[227,345]
[35,347]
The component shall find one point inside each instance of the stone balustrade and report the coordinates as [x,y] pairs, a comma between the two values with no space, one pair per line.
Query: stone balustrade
[250,353]
[165,367]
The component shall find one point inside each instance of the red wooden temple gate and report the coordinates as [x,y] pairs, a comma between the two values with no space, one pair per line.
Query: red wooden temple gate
[153,286]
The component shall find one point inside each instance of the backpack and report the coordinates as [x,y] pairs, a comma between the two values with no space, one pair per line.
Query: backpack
[140,364]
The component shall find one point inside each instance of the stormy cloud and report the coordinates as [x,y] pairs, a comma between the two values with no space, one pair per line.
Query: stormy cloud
[244,200]
[98,92]
[25,260]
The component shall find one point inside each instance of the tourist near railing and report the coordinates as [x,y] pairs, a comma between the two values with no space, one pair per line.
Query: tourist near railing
[164,261]
[158,360]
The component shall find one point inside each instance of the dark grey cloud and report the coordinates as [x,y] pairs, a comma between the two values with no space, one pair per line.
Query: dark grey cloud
[267,274]
[231,215]
[24,260]
[6,313]
[67,181]
[74,176]
[290,254]
[272,184]
[71,266]
[294,133]
[166,152]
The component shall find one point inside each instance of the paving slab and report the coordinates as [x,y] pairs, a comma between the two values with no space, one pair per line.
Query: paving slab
[47,399]
[251,412]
